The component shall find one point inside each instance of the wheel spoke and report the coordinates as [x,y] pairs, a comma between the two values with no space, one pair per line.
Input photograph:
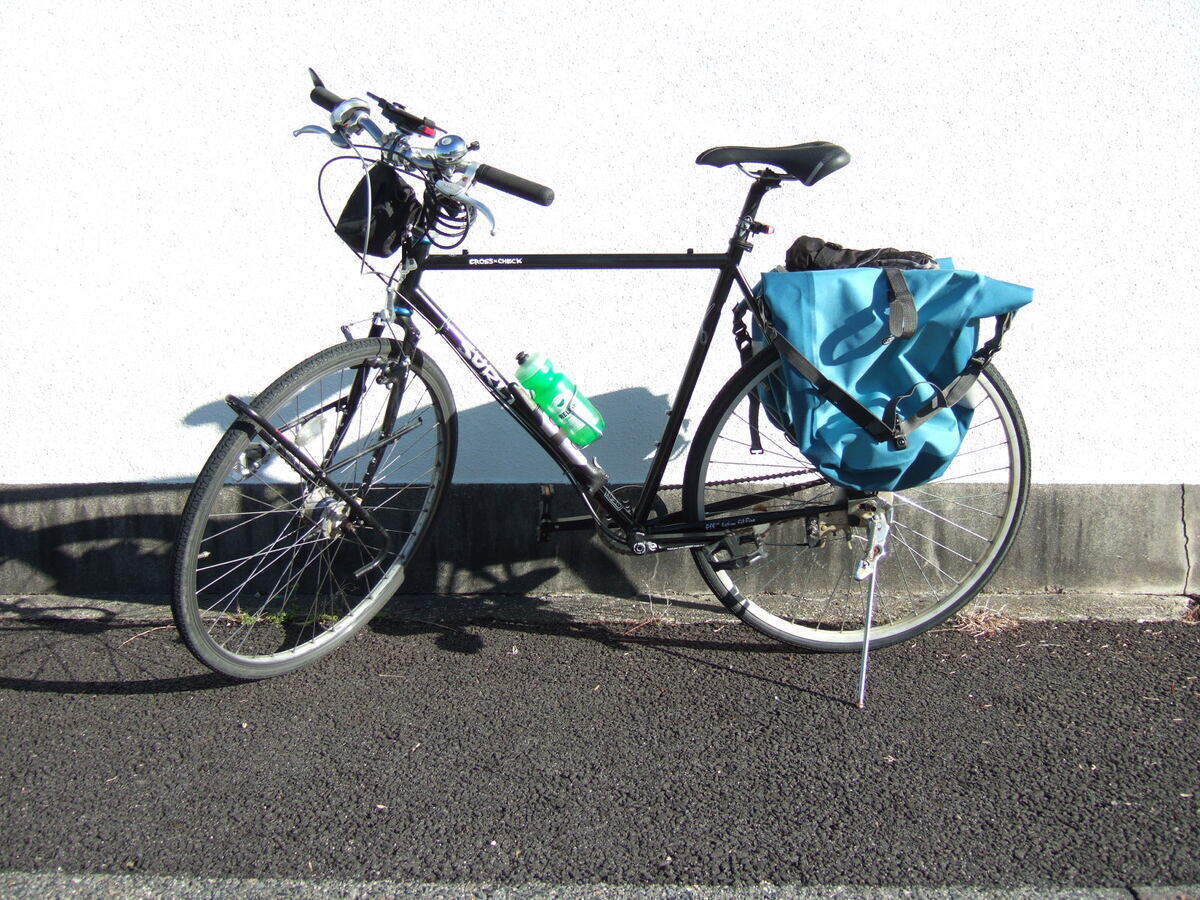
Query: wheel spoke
[267,563]
[946,537]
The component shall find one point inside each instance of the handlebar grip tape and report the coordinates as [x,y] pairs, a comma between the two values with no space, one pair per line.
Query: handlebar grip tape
[325,98]
[515,185]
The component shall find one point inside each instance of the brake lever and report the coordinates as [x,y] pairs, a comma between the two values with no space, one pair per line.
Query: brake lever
[337,138]
[458,191]
[348,118]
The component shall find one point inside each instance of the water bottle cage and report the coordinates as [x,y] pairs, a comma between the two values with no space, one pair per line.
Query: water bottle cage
[563,407]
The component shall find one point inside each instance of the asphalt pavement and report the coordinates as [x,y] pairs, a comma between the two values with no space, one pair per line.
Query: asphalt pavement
[547,756]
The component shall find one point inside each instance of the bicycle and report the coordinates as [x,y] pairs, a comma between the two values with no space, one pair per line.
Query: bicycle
[300,525]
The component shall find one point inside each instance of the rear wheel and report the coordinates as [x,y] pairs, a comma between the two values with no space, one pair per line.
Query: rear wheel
[274,568]
[947,537]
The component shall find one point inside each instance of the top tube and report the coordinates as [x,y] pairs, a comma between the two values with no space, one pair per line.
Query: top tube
[485,261]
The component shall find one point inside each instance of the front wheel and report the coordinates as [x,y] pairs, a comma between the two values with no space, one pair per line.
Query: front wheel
[794,581]
[274,567]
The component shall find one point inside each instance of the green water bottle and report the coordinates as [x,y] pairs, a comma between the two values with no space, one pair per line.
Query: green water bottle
[558,397]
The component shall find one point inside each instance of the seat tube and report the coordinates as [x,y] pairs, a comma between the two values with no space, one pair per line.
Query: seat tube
[739,244]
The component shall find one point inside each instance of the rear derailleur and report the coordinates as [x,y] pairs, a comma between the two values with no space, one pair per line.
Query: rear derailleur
[872,513]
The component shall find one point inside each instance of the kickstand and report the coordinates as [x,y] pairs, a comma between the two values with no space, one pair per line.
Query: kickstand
[868,614]
[877,514]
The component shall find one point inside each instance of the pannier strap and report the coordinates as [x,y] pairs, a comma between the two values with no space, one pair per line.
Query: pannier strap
[953,393]
[831,391]
[745,347]
[892,428]
[902,308]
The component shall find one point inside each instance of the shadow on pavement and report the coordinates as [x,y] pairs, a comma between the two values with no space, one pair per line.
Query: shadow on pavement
[62,649]
[92,649]
[459,637]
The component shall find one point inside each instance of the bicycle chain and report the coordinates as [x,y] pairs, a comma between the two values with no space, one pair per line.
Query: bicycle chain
[618,544]
[679,487]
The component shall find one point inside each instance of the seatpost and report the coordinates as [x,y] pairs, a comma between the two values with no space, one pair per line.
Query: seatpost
[764,181]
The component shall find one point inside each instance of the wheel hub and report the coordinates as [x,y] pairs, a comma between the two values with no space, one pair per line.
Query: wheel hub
[328,513]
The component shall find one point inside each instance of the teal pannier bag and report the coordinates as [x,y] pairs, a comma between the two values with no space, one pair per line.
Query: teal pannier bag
[879,364]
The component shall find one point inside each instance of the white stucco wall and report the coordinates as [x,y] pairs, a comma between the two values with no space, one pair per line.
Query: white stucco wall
[162,244]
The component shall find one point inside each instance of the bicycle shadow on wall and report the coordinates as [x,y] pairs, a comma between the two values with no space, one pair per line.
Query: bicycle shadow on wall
[89,540]
[484,540]
[117,539]
[492,447]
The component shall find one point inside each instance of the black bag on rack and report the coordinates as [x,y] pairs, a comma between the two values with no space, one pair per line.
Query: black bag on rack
[808,253]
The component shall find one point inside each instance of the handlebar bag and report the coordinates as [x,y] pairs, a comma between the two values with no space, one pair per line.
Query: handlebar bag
[379,213]
[878,366]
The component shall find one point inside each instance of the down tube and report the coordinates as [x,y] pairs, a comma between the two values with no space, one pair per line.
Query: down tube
[552,438]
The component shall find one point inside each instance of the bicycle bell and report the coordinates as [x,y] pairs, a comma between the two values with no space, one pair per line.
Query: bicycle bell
[450,147]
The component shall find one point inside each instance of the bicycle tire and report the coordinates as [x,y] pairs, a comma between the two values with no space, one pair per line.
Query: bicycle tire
[267,563]
[947,538]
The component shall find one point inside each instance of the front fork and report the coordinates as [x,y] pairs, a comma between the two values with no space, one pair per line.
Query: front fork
[304,466]
[319,473]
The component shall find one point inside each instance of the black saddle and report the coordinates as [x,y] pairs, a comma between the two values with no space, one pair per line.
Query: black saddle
[808,163]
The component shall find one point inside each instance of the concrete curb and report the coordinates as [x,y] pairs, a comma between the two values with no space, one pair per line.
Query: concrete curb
[1086,541]
[21,886]
[987,611]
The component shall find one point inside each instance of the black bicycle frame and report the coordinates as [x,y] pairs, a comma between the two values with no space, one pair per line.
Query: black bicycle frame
[588,479]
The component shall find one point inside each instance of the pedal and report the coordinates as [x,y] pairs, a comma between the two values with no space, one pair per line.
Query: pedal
[739,558]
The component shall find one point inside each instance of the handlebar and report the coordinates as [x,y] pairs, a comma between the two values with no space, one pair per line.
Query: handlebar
[514,184]
[321,95]
[407,122]
[325,98]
